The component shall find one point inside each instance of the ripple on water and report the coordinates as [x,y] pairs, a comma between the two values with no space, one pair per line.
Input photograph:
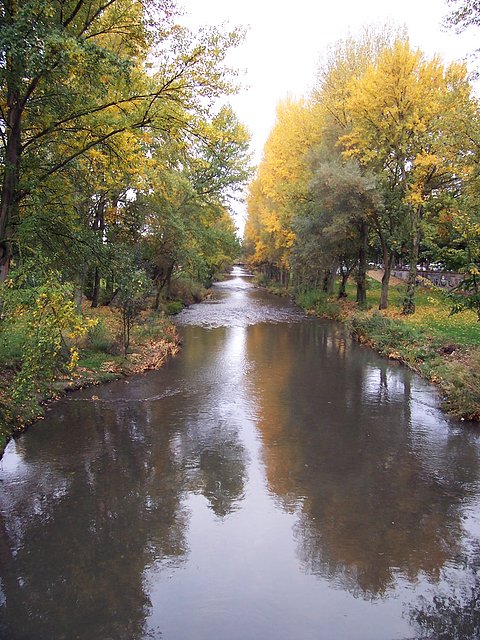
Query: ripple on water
[238,303]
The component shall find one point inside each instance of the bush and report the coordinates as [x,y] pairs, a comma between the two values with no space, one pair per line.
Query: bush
[39,327]
[101,339]
[186,290]
[309,299]
[173,307]
[318,302]
[262,280]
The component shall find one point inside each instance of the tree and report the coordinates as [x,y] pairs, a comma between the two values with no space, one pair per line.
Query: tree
[346,195]
[182,203]
[405,117]
[348,61]
[94,53]
[281,186]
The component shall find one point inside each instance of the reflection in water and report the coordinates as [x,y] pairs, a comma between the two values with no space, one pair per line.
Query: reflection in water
[370,484]
[209,446]
[451,614]
[89,508]
[274,481]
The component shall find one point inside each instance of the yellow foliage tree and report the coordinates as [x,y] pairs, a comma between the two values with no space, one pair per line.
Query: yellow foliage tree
[405,113]
[281,186]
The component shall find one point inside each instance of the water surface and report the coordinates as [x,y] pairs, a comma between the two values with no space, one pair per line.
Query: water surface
[275,481]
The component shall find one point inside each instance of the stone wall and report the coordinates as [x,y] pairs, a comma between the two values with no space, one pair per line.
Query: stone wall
[442,279]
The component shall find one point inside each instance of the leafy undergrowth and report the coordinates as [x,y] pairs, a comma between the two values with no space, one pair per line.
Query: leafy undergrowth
[441,347]
[99,359]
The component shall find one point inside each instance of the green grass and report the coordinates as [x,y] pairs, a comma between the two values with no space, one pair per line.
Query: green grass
[432,313]
[95,360]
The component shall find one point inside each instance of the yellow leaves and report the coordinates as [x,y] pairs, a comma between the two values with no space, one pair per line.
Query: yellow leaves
[289,239]
[426,161]
[401,120]
[424,166]
[408,120]
[282,179]
[284,163]
[74,358]
[386,103]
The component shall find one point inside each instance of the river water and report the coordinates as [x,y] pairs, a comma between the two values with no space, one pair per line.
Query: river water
[275,481]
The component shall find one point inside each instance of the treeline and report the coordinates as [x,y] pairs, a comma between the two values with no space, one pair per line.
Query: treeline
[119,158]
[379,163]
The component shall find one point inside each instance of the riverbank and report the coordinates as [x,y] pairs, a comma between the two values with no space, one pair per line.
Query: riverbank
[442,348]
[154,340]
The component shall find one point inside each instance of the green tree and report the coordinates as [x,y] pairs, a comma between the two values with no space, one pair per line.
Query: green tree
[94,52]
[346,196]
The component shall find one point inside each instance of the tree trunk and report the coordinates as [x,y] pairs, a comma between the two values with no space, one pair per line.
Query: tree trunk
[387,264]
[10,187]
[331,279]
[409,300]
[112,295]
[99,228]
[156,304]
[362,266]
[342,293]
[109,289]
[78,291]
[96,288]
[10,190]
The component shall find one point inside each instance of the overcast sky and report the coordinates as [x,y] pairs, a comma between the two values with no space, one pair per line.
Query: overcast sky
[285,41]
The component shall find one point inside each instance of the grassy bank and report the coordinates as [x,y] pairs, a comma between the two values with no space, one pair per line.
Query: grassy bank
[444,349]
[101,358]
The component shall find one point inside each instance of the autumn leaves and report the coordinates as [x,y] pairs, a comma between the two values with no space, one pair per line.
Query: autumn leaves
[382,151]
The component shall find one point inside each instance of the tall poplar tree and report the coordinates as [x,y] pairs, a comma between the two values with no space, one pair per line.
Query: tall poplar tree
[405,115]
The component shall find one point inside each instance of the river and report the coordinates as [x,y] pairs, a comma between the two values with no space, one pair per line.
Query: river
[275,481]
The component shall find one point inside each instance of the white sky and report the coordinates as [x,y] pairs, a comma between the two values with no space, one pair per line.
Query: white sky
[285,41]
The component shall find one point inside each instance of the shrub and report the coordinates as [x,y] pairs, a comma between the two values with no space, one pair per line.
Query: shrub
[45,324]
[318,302]
[187,290]
[100,338]
[173,307]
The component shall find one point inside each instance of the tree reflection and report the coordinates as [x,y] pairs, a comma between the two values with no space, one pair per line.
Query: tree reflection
[220,477]
[99,501]
[77,542]
[454,615]
[209,447]
[375,498]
